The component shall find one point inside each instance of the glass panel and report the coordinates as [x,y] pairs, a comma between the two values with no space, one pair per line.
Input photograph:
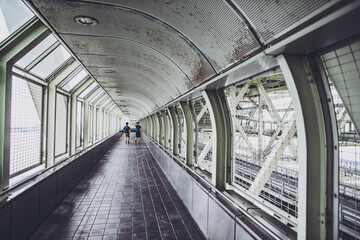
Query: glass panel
[98,124]
[90,128]
[78,123]
[75,80]
[104,101]
[25,126]
[13,14]
[265,138]
[51,62]
[96,97]
[204,133]
[36,51]
[88,90]
[61,124]
[340,77]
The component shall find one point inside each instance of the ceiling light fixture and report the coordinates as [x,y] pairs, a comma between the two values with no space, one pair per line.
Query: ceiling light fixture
[109,71]
[86,20]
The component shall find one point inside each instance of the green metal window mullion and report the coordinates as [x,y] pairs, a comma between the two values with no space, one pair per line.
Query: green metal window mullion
[175,129]
[156,129]
[196,132]
[220,122]
[313,219]
[161,130]
[189,133]
[10,53]
[166,129]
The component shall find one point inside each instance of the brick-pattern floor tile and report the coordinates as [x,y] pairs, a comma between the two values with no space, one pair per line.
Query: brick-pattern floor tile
[125,196]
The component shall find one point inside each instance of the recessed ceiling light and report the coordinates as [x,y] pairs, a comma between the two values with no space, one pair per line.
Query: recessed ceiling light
[109,71]
[86,20]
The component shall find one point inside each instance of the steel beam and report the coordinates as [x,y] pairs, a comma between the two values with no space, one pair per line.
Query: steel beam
[273,158]
[312,147]
[221,130]
[188,122]
[166,129]
[175,129]
[161,128]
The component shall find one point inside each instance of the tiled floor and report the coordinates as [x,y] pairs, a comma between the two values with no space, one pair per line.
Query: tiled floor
[125,196]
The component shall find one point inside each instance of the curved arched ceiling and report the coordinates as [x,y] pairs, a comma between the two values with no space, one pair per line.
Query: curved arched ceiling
[164,48]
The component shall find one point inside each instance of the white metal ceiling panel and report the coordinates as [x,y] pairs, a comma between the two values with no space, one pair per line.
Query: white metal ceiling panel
[109,52]
[213,26]
[272,19]
[124,23]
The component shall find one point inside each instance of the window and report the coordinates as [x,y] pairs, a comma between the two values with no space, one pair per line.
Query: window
[342,69]
[202,134]
[79,123]
[45,58]
[88,90]
[61,124]
[51,62]
[264,134]
[26,60]
[25,125]
[75,80]
[90,126]
[13,15]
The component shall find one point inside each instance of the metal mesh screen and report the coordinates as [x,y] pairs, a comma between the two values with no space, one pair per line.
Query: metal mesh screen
[203,133]
[61,124]
[265,139]
[213,26]
[270,18]
[25,125]
[342,68]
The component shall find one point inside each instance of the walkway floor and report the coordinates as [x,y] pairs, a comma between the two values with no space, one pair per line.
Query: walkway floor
[125,196]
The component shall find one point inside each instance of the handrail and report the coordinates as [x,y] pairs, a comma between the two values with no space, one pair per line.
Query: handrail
[214,191]
[41,172]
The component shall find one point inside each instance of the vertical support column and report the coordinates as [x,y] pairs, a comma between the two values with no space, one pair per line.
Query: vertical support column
[10,53]
[151,126]
[155,127]
[189,133]
[221,129]
[312,222]
[148,126]
[175,123]
[5,109]
[166,129]
[161,130]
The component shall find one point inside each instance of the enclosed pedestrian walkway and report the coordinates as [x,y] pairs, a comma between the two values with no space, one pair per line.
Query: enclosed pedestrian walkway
[251,109]
[124,196]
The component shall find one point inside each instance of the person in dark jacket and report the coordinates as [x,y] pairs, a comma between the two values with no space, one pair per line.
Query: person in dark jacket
[138,132]
[127,132]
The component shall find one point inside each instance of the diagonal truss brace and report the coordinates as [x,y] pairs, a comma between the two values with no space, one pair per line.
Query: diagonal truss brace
[272,160]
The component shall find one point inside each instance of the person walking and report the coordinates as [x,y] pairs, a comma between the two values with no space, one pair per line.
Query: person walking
[127,132]
[138,132]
